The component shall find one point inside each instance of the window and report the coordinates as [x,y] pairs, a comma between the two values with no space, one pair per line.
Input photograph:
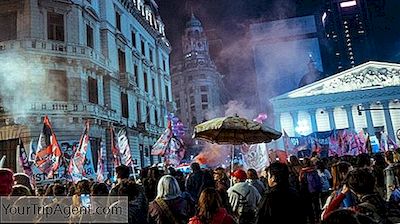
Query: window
[156,117]
[203,88]
[191,100]
[138,112]
[146,87]
[57,85]
[151,55]
[148,114]
[178,102]
[121,61]
[163,64]
[8,26]
[133,35]
[204,106]
[89,36]
[118,21]
[93,90]
[153,85]
[143,50]
[135,73]
[124,105]
[204,98]
[167,93]
[55,26]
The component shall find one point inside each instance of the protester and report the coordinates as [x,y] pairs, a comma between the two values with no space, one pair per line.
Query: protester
[197,181]
[122,172]
[137,204]
[378,168]
[169,207]
[325,177]
[347,216]
[6,181]
[294,172]
[20,190]
[99,189]
[243,198]
[23,179]
[210,209]
[391,177]
[280,199]
[222,185]
[252,178]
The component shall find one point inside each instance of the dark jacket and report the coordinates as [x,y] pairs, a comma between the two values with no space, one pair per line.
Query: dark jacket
[275,205]
[198,181]
[179,207]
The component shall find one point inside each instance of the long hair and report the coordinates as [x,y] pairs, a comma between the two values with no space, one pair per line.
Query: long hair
[339,172]
[168,188]
[209,203]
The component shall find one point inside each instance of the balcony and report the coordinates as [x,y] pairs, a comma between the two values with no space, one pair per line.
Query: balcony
[127,80]
[56,48]
[73,108]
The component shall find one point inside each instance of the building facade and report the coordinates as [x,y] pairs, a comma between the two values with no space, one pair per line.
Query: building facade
[365,97]
[197,85]
[102,61]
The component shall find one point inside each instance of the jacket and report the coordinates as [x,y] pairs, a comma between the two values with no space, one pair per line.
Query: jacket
[221,217]
[179,207]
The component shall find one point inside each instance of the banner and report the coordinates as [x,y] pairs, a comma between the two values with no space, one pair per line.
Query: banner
[255,157]
[175,152]
[76,169]
[115,148]
[160,147]
[124,149]
[100,163]
[48,152]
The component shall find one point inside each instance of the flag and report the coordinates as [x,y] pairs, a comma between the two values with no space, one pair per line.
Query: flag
[175,152]
[255,156]
[2,161]
[48,152]
[316,147]
[23,159]
[115,148]
[77,170]
[100,163]
[124,149]
[392,144]
[384,143]
[160,147]
[286,141]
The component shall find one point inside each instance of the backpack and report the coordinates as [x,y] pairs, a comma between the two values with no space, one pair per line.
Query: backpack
[312,182]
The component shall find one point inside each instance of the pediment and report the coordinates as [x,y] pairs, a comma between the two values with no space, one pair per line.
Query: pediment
[370,75]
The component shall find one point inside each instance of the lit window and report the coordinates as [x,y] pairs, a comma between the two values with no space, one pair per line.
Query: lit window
[347,35]
[337,53]
[351,53]
[345,22]
[348,4]
[349,44]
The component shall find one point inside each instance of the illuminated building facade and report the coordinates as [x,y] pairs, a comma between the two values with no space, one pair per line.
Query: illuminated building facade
[103,61]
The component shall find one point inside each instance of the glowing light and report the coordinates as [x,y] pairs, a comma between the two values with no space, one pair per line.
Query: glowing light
[348,4]
[303,127]
[323,17]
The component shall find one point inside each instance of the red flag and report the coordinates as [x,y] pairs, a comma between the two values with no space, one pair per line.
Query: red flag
[77,170]
[48,152]
[115,148]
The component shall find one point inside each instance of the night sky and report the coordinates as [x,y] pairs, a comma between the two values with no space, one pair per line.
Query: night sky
[226,23]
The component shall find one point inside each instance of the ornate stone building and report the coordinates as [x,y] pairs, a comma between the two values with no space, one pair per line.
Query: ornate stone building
[364,97]
[197,85]
[102,61]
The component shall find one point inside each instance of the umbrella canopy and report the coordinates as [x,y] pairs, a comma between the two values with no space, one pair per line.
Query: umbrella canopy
[234,130]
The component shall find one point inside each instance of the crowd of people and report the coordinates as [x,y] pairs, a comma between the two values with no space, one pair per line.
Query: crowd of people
[349,189]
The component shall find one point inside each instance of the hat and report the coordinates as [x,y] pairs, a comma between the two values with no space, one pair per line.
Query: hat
[6,181]
[240,174]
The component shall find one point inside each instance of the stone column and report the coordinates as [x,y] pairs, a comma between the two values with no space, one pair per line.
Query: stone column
[313,118]
[278,126]
[331,118]
[295,119]
[370,123]
[388,120]
[349,112]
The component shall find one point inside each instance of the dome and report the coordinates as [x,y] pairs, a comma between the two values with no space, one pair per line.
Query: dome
[193,22]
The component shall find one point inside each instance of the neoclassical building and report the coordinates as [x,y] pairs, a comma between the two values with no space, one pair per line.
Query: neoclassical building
[106,61]
[197,85]
[366,97]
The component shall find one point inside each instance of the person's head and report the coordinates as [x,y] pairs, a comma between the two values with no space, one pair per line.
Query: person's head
[252,174]
[389,157]
[278,175]
[195,167]
[339,172]
[83,187]
[153,173]
[306,162]
[239,176]
[320,165]
[6,181]
[99,189]
[23,179]
[168,188]
[346,216]
[49,190]
[294,161]
[363,161]
[122,172]
[59,190]
[219,174]
[209,203]
[20,190]
[128,188]
[314,154]
[361,181]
